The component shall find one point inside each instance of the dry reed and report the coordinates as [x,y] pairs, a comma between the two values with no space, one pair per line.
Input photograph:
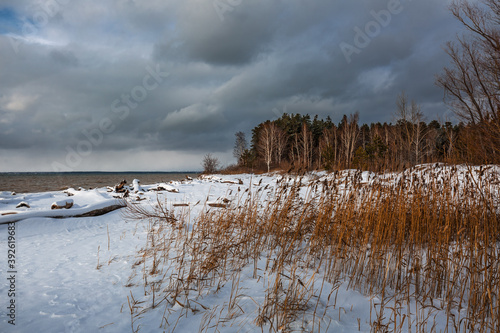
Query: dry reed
[425,242]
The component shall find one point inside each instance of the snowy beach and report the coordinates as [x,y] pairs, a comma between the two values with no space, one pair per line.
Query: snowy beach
[250,166]
[103,273]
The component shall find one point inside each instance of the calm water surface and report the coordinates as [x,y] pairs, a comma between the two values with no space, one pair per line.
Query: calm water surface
[25,182]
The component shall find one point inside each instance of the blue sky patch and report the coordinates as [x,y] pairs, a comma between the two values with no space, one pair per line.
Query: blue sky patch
[9,21]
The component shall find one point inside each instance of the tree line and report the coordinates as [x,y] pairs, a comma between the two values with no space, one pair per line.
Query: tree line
[296,141]
[471,86]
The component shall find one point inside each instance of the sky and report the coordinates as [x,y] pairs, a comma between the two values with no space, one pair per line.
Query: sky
[154,85]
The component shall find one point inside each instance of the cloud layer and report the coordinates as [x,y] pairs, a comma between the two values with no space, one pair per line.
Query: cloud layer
[172,80]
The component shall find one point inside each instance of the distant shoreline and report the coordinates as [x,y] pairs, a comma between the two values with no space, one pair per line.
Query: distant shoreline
[32,182]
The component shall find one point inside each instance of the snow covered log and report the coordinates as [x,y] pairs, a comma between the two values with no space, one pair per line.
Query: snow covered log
[100,211]
[63,204]
[97,209]
[136,186]
[165,187]
[23,204]
[238,182]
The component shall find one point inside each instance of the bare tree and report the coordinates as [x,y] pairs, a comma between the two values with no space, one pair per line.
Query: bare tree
[328,147]
[405,136]
[240,146]
[306,145]
[349,136]
[295,151]
[472,82]
[410,117]
[419,142]
[451,138]
[419,131]
[281,141]
[210,164]
[266,143]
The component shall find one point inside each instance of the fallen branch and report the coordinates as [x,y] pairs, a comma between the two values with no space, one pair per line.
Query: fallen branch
[99,212]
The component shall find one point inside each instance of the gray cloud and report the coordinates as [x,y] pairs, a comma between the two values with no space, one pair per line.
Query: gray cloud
[226,73]
[64,57]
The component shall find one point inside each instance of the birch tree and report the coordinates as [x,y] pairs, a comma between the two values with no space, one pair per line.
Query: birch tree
[349,136]
[266,143]
[281,141]
[409,116]
[306,146]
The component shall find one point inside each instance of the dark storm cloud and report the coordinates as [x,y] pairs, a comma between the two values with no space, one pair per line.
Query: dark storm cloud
[81,80]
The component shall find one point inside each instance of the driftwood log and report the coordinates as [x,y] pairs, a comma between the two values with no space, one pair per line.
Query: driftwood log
[96,212]
[238,182]
[23,204]
[162,188]
[91,213]
[65,204]
[119,188]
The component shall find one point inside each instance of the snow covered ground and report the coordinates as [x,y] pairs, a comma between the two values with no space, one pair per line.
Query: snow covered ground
[80,274]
